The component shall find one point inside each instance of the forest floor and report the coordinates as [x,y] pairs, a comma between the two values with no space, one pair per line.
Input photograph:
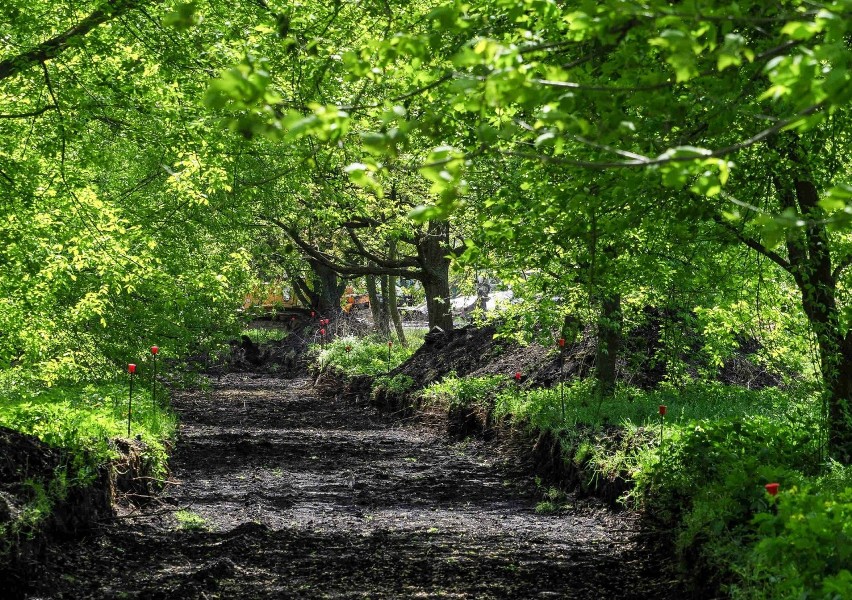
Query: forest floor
[278,494]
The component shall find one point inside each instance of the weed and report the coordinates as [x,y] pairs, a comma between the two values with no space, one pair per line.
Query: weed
[546,507]
[190,521]
[398,384]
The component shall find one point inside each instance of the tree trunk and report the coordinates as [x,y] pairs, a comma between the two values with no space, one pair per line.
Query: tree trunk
[380,320]
[328,288]
[393,309]
[437,303]
[836,368]
[809,258]
[433,250]
[571,327]
[609,342]
[483,289]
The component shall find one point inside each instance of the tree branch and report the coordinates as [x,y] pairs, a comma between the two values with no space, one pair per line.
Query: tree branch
[841,266]
[340,269]
[51,48]
[754,244]
[382,262]
[34,113]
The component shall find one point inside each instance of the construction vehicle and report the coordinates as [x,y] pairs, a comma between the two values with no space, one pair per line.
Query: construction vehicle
[353,301]
[269,300]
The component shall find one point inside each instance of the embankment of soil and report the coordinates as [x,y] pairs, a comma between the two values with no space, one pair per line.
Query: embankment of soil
[40,502]
[474,351]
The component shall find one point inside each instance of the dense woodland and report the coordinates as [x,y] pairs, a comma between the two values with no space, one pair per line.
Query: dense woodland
[619,165]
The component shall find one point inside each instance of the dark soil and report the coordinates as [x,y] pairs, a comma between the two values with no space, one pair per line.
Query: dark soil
[473,351]
[309,498]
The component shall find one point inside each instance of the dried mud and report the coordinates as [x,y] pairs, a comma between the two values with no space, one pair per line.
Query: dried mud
[299,497]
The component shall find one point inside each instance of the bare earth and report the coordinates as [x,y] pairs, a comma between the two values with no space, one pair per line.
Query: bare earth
[307,498]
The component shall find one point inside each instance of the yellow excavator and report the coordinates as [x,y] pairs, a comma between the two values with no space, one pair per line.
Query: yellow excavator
[353,301]
[269,299]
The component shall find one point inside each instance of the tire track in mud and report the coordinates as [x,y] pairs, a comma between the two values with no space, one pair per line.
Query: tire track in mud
[309,498]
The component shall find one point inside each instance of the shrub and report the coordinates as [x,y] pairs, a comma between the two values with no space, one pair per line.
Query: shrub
[721,444]
[398,384]
[805,546]
[452,390]
[365,356]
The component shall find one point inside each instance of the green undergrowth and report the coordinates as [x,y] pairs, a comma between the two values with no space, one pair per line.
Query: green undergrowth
[705,483]
[81,421]
[368,355]
[264,335]
[452,390]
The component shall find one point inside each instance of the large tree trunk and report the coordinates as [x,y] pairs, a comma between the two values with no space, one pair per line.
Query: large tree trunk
[437,303]
[393,309]
[836,366]
[810,264]
[328,288]
[433,250]
[609,342]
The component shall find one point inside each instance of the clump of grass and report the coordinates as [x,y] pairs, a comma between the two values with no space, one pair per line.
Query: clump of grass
[555,500]
[368,355]
[191,521]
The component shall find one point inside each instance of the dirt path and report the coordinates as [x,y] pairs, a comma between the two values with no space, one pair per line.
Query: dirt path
[314,499]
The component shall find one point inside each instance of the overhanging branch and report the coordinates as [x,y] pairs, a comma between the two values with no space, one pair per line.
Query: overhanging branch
[51,48]
[341,269]
[754,244]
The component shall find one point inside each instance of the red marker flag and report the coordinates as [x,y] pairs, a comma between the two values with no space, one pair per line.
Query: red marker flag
[131,368]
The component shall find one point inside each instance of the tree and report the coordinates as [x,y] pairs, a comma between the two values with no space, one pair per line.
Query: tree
[679,92]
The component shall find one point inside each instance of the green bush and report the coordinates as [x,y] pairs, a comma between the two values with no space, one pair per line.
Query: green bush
[705,483]
[452,390]
[707,480]
[805,546]
[398,384]
[366,355]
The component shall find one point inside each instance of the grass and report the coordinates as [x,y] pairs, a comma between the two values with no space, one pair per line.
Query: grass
[191,521]
[632,407]
[704,479]
[368,355]
[82,419]
[263,335]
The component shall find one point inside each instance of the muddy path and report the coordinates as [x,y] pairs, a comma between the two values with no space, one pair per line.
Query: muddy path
[298,497]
